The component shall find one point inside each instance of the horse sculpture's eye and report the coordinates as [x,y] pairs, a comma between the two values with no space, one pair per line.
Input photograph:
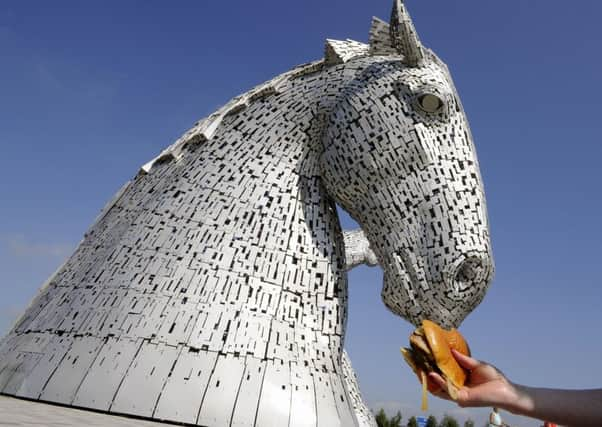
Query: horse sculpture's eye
[430,103]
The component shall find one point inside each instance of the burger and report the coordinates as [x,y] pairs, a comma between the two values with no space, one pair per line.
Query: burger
[430,351]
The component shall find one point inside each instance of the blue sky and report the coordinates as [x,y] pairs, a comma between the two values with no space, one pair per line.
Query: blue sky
[91,91]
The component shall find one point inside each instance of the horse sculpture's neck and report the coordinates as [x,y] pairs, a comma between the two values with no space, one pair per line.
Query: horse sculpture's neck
[272,268]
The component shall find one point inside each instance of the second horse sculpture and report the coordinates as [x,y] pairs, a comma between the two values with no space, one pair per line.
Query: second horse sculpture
[212,290]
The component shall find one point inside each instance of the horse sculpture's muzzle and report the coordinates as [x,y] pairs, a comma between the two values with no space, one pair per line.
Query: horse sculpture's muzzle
[411,292]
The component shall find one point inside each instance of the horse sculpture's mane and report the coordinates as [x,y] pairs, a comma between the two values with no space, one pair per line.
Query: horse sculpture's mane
[336,52]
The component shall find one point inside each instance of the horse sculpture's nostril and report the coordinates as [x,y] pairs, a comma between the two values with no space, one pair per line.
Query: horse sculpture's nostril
[470,271]
[467,272]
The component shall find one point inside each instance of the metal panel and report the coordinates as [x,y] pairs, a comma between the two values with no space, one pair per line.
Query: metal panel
[106,373]
[275,399]
[326,407]
[222,391]
[303,398]
[247,400]
[54,353]
[183,393]
[27,361]
[144,381]
[69,374]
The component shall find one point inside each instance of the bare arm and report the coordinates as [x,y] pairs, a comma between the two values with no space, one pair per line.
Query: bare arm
[487,386]
[567,407]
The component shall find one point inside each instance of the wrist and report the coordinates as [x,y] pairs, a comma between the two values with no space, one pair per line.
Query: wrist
[519,400]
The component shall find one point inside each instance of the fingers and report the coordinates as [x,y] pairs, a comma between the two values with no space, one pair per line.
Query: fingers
[463,395]
[437,379]
[465,361]
[441,386]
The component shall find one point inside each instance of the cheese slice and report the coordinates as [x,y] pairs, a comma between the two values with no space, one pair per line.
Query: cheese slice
[425,404]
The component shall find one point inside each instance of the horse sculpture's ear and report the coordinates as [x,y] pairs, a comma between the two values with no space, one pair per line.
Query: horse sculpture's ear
[380,38]
[404,37]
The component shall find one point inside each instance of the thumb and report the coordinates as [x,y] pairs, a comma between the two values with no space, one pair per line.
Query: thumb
[466,362]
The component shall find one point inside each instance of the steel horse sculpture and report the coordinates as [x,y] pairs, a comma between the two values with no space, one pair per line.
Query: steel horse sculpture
[212,289]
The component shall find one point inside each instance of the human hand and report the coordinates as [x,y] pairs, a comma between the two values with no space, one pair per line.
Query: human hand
[485,385]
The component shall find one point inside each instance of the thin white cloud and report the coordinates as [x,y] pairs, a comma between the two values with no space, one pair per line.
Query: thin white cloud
[20,247]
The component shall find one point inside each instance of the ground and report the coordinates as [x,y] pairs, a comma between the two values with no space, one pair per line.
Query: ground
[17,412]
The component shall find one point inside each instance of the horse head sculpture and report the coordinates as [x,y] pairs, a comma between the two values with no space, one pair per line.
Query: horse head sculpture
[399,156]
[212,289]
